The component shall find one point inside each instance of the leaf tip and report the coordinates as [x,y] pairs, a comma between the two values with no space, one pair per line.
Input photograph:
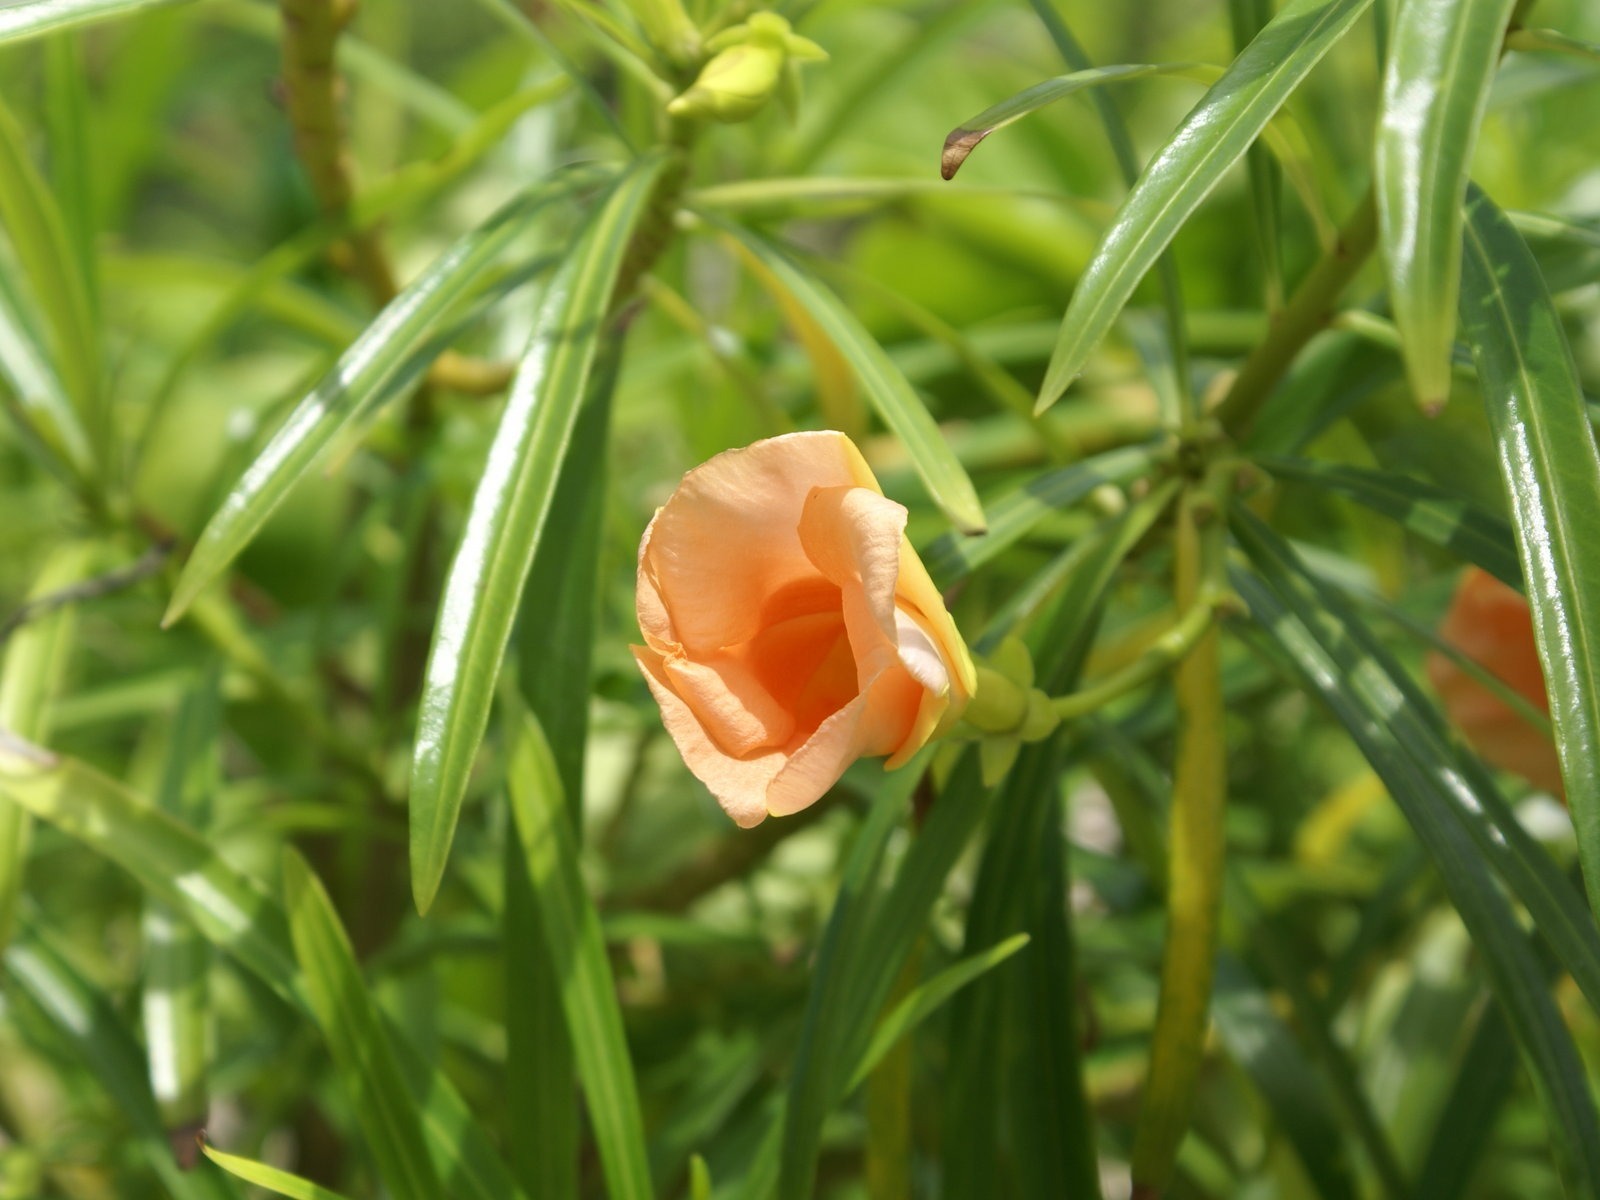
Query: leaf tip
[957,147]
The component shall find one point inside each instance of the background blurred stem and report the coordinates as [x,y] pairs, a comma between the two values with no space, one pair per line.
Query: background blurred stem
[1308,312]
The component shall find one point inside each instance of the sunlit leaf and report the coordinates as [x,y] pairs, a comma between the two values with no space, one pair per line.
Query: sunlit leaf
[509,510]
[1551,468]
[1435,90]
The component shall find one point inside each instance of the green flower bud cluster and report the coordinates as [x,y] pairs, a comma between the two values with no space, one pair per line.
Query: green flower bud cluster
[750,64]
[1007,711]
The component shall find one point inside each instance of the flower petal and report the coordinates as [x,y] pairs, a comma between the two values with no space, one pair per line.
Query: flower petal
[739,784]
[728,538]
[873,723]
[852,536]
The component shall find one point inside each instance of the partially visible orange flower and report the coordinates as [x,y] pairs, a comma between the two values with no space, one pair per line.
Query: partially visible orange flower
[1490,623]
[789,627]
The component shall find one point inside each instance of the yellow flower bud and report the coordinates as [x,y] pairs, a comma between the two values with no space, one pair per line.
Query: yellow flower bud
[746,71]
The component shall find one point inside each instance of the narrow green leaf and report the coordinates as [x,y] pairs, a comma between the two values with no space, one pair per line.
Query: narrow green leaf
[37,395]
[821,1059]
[1259,1041]
[1429,512]
[1435,90]
[1247,18]
[1551,468]
[30,676]
[177,960]
[1368,701]
[279,1183]
[510,508]
[885,385]
[54,277]
[578,950]
[361,381]
[927,998]
[35,18]
[952,557]
[71,164]
[964,138]
[1229,117]
[39,974]
[553,676]
[354,1032]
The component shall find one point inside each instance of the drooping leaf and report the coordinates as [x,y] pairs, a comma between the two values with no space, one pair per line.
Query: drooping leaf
[1229,117]
[1435,89]
[506,521]
[964,138]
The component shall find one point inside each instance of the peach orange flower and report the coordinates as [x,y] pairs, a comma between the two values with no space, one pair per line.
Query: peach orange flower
[789,627]
[1490,623]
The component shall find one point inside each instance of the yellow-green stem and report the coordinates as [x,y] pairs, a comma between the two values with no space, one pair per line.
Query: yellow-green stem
[1171,647]
[1194,862]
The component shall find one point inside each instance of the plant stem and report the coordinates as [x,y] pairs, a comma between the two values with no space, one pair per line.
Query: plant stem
[1308,312]
[1171,647]
[1194,863]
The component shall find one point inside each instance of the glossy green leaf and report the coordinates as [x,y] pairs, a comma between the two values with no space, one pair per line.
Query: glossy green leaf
[578,951]
[1371,703]
[1429,512]
[279,1183]
[928,997]
[964,138]
[361,381]
[507,520]
[37,973]
[1551,468]
[1211,139]
[1435,90]
[35,18]
[355,1035]
[885,385]
[30,676]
